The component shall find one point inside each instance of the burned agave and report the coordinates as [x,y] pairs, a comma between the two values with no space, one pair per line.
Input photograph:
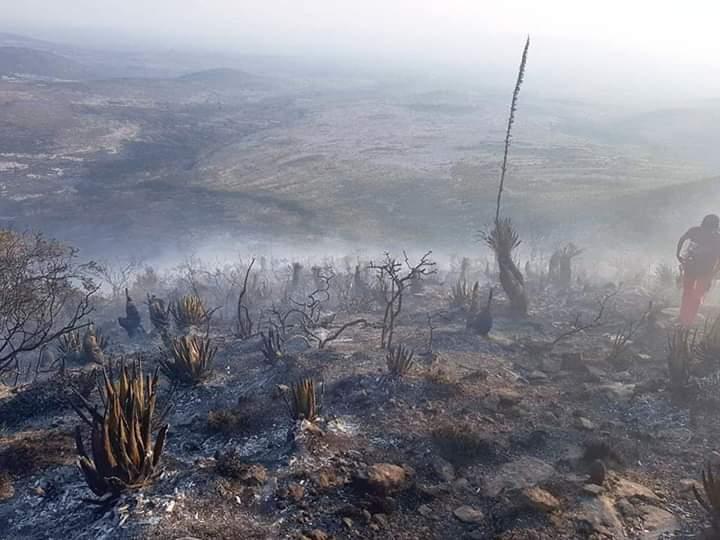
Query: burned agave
[189,311]
[122,454]
[711,501]
[189,359]
[399,361]
[304,402]
[681,346]
[159,314]
[273,346]
[69,346]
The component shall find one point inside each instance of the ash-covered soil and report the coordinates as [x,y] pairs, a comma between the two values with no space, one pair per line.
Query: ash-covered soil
[483,438]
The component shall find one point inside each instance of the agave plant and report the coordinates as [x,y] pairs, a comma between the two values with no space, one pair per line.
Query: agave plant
[399,361]
[189,311]
[461,295]
[69,346]
[273,345]
[159,314]
[122,454]
[93,345]
[189,360]
[708,350]
[304,402]
[711,501]
[681,346]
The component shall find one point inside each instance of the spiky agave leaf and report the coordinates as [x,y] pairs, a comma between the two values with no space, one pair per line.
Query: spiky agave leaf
[189,360]
[304,403]
[399,361]
[711,501]
[189,311]
[122,456]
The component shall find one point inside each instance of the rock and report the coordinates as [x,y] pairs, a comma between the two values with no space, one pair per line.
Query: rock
[630,490]
[617,391]
[687,485]
[598,472]
[539,499]
[384,478]
[657,523]
[593,489]
[468,514]
[381,519]
[537,376]
[508,397]
[317,534]
[583,423]
[230,465]
[296,492]
[444,469]
[599,515]
[425,511]
[627,509]
[524,472]
[461,484]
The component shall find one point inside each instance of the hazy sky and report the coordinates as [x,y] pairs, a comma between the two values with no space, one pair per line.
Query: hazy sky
[669,41]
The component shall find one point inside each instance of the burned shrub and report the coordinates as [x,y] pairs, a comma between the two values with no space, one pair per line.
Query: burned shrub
[503,239]
[122,454]
[189,359]
[399,361]
[227,421]
[462,445]
[711,501]
[159,315]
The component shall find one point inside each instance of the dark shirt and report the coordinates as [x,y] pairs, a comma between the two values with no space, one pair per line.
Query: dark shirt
[702,251]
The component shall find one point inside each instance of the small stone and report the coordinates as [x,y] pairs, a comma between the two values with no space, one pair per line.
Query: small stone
[598,472]
[381,519]
[539,499]
[296,492]
[347,522]
[508,398]
[583,423]
[537,376]
[384,478]
[317,534]
[687,485]
[444,469]
[468,514]
[461,484]
[626,508]
[425,511]
[593,489]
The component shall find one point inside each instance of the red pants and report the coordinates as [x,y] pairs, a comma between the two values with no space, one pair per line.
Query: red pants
[694,289]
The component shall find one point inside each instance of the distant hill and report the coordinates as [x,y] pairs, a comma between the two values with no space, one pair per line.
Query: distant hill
[223,77]
[26,61]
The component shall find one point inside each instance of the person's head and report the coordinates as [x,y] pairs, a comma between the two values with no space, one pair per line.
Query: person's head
[710,222]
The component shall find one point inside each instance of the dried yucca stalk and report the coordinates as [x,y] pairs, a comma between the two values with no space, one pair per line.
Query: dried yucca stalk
[189,360]
[711,501]
[399,361]
[189,311]
[123,455]
[304,402]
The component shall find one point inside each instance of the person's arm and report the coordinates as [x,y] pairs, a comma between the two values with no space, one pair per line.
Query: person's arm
[684,238]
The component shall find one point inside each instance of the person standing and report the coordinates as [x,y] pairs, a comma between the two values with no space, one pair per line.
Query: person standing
[699,263]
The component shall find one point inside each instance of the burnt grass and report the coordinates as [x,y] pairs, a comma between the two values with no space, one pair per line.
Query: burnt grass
[474,423]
